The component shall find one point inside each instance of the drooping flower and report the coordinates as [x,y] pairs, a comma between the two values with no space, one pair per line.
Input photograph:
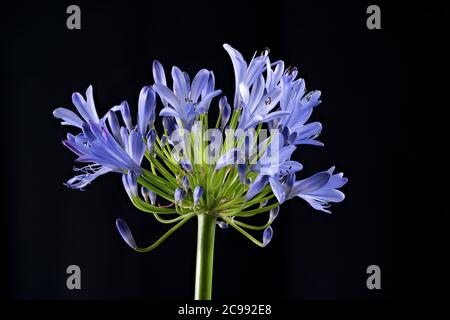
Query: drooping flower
[320,189]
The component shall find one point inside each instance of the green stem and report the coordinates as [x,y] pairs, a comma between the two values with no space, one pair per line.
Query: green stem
[205,256]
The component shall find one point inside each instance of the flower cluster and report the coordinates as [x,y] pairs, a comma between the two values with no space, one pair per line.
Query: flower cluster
[238,168]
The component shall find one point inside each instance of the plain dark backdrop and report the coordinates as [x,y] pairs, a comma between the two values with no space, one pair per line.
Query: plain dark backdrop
[380,112]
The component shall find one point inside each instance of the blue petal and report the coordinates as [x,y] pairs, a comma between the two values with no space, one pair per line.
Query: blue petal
[169,112]
[82,180]
[146,108]
[311,184]
[166,94]
[316,203]
[125,112]
[278,190]
[68,117]
[86,109]
[256,94]
[290,167]
[240,70]
[225,109]
[114,125]
[136,146]
[199,82]
[328,195]
[255,69]
[91,105]
[158,73]
[259,183]
[203,106]
[180,88]
[129,182]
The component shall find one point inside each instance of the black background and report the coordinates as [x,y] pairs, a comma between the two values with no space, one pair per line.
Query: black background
[380,111]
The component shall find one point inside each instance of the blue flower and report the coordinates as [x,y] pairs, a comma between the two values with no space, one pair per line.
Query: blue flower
[187,100]
[121,151]
[98,147]
[320,189]
[300,107]
[272,167]
[256,96]
[85,107]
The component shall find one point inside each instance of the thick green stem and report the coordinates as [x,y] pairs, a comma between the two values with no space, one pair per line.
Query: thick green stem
[205,256]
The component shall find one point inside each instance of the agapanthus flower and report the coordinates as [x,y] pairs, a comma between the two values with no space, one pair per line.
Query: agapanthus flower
[187,100]
[120,151]
[222,174]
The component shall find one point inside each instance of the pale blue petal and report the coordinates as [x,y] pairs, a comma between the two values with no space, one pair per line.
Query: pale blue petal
[68,117]
[166,94]
[278,190]
[198,84]
[180,88]
[259,183]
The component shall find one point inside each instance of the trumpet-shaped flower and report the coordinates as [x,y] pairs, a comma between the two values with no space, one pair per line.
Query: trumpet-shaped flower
[187,100]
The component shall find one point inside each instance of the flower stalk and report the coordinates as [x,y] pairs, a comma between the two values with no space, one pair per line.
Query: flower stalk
[205,256]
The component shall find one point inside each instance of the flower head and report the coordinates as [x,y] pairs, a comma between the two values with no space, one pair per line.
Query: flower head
[239,168]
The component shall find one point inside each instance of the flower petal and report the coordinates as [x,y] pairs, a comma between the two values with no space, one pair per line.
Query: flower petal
[146,109]
[311,184]
[257,185]
[199,82]
[69,117]
[166,94]
[278,190]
